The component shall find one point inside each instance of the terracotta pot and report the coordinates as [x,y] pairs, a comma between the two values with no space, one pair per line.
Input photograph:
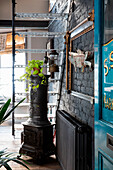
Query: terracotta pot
[38,69]
[53,68]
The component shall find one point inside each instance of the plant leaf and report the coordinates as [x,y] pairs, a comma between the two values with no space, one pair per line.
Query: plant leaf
[41,70]
[37,86]
[34,87]
[7,158]
[35,72]
[19,162]
[5,117]
[36,65]
[23,160]
[22,76]
[26,89]
[41,62]
[3,150]
[4,108]
[9,154]
[6,166]
[41,74]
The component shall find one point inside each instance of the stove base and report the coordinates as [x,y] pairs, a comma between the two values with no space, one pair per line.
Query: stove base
[37,142]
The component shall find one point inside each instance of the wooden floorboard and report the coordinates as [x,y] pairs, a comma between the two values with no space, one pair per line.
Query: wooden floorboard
[13,144]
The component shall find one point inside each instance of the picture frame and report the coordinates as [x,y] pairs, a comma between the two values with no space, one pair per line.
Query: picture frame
[85,26]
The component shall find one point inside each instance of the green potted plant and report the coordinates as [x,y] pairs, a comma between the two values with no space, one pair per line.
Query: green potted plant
[4,114]
[34,68]
[6,156]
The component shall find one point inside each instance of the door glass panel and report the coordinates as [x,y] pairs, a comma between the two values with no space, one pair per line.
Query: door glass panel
[107,63]
[108,20]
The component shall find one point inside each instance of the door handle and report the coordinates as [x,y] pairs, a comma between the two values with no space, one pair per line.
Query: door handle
[110,141]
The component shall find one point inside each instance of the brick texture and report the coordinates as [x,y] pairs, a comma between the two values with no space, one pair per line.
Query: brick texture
[82,82]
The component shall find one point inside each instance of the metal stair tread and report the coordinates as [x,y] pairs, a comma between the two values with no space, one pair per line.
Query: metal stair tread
[21,115]
[23,104]
[52,104]
[50,80]
[18,126]
[52,92]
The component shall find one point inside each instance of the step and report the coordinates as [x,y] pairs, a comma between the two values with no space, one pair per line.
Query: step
[49,92]
[52,92]
[52,104]
[22,93]
[18,126]
[52,80]
[51,116]
[20,116]
[23,104]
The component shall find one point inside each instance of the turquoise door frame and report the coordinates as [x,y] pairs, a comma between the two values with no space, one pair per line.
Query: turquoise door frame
[103,125]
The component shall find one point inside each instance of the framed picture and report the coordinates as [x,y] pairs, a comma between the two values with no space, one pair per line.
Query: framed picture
[81,29]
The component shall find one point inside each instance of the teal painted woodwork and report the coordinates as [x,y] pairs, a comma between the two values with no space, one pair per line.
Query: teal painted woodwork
[103,46]
[105,162]
[107,82]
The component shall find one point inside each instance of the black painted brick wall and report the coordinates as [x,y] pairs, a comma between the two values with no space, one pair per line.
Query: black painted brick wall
[79,10]
[82,82]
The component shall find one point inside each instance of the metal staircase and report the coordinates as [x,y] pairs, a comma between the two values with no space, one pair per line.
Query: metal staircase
[18,118]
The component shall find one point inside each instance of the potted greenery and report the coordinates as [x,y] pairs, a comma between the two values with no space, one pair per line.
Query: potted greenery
[5,156]
[34,68]
[38,92]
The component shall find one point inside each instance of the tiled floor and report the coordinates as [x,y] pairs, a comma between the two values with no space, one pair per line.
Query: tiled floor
[13,145]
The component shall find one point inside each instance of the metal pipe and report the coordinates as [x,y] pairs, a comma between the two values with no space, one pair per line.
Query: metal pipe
[13,62]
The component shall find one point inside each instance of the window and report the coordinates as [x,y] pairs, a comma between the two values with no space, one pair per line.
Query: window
[6,75]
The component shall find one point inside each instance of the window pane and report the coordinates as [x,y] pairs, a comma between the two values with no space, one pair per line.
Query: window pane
[6,75]
[6,82]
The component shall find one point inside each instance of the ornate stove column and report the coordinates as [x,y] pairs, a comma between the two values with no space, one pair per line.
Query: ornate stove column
[38,132]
